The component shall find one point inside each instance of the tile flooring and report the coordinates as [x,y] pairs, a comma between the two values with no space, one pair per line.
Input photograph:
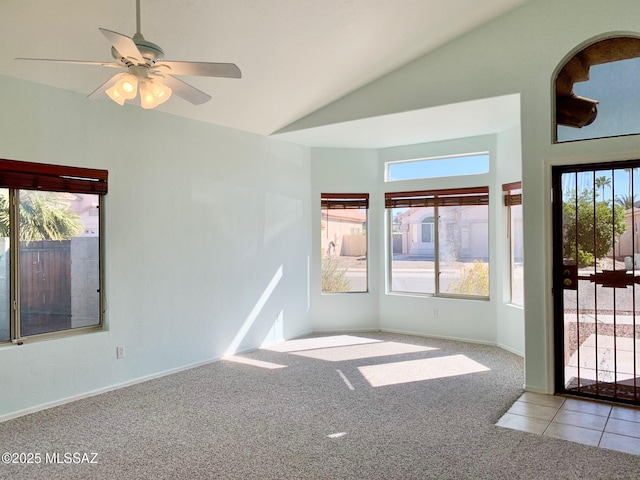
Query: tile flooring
[583,421]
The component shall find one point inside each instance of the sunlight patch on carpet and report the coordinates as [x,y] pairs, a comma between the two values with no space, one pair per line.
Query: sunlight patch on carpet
[255,363]
[345,380]
[367,350]
[319,342]
[420,370]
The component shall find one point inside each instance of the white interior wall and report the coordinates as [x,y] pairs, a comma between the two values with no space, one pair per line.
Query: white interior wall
[346,170]
[518,52]
[509,318]
[473,320]
[207,241]
[338,170]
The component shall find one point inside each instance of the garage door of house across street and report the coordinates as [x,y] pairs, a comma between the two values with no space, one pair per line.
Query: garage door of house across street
[596,285]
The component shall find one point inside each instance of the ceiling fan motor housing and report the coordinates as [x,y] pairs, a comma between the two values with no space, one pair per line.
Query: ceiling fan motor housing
[151,52]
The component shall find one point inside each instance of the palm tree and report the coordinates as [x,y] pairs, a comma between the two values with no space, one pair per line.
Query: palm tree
[42,217]
[602,182]
[626,201]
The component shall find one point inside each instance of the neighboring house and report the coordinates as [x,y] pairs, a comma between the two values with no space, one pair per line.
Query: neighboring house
[463,235]
[629,241]
[86,207]
[345,228]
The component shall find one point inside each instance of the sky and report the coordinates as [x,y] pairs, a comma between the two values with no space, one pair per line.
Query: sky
[616,86]
[618,183]
[439,167]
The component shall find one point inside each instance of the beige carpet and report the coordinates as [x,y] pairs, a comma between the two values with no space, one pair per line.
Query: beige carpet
[360,406]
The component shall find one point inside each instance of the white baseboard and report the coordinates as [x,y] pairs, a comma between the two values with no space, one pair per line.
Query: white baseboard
[310,332]
[93,393]
[346,330]
[443,337]
[512,350]
[529,388]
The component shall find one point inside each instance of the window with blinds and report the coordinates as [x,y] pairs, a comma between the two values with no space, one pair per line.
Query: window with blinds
[344,242]
[51,237]
[439,242]
[512,193]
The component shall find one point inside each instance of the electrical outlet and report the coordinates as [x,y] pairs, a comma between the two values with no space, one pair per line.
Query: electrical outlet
[120,351]
[435,312]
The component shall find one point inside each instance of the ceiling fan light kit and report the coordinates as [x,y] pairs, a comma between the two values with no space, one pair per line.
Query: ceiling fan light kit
[148,73]
[153,93]
[127,86]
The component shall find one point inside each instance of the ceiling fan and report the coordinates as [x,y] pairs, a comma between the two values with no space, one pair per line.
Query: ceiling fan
[148,72]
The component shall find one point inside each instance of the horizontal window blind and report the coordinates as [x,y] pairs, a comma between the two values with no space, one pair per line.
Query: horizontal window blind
[512,198]
[344,200]
[56,178]
[444,198]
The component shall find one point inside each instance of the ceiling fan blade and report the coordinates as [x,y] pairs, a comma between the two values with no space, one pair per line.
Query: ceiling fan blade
[202,69]
[79,62]
[108,84]
[124,45]
[186,91]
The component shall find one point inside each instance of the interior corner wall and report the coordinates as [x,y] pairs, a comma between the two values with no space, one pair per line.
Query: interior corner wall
[509,318]
[516,53]
[340,170]
[470,320]
[207,242]
[346,170]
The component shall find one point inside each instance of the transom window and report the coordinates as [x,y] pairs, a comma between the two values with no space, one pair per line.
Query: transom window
[467,164]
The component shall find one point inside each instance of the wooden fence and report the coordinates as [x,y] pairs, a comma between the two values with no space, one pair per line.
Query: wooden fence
[45,286]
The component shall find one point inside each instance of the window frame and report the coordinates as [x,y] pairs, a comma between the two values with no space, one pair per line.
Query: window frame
[572,110]
[338,201]
[463,196]
[18,175]
[441,158]
[512,199]
[428,221]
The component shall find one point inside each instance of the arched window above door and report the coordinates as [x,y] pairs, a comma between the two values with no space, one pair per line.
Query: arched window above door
[597,91]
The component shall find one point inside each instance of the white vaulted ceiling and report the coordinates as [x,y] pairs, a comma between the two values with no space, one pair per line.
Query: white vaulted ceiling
[296,56]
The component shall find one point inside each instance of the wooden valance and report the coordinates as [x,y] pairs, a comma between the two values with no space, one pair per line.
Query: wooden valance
[444,198]
[511,199]
[55,178]
[344,200]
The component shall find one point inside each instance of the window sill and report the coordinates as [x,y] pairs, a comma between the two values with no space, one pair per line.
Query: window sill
[43,337]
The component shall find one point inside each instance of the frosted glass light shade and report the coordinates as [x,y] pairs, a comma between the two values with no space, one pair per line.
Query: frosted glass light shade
[153,93]
[114,95]
[147,98]
[161,92]
[127,86]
